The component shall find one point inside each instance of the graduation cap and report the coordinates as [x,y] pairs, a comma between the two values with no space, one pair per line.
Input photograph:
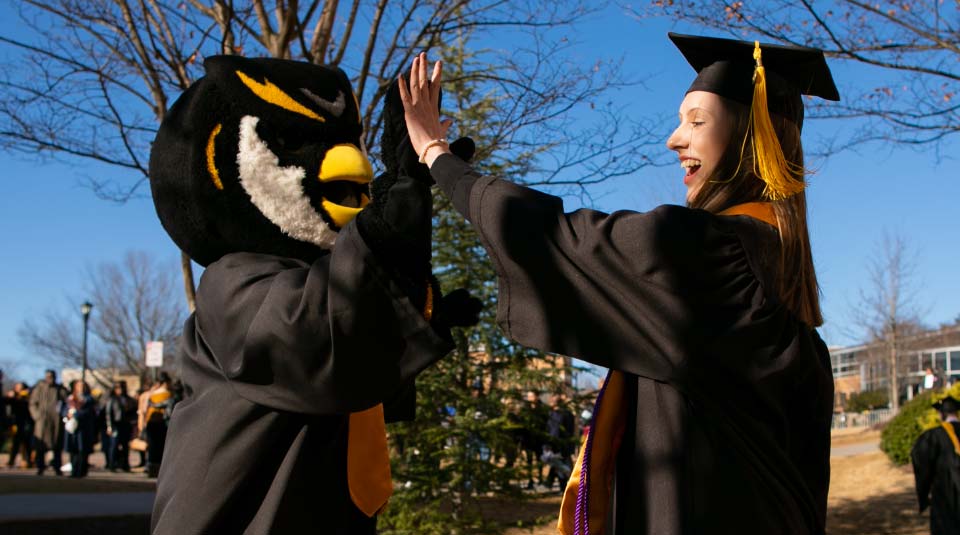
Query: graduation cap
[948,404]
[768,79]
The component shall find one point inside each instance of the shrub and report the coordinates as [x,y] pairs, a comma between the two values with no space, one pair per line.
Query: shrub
[868,401]
[914,418]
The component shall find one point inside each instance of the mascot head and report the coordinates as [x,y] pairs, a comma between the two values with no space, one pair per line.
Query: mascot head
[260,155]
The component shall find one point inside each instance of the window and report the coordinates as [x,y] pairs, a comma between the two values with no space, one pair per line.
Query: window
[845,364]
[940,361]
[955,361]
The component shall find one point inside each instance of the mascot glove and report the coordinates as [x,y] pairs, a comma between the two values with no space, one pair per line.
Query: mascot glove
[458,309]
[398,155]
[397,227]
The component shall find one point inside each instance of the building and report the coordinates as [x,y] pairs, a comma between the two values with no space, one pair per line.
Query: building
[101,380]
[865,367]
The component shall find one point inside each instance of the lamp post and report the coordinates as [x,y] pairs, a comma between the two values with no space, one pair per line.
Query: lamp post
[85,309]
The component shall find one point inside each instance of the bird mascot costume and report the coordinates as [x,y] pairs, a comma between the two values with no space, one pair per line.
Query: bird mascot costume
[316,308]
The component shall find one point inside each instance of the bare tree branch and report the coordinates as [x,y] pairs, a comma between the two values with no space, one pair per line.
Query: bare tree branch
[97,77]
[888,308]
[135,301]
[913,47]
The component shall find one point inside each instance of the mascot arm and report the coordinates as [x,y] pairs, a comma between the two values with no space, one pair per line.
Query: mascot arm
[333,337]
[397,226]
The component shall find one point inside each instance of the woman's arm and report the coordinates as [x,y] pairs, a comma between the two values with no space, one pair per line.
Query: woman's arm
[640,292]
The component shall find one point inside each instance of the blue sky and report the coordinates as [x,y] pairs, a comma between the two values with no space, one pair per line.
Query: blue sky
[53,228]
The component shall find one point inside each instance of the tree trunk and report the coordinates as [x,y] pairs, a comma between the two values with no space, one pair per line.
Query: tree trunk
[894,383]
[188,285]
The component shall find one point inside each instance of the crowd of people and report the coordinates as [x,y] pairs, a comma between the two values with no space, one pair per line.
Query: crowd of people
[43,422]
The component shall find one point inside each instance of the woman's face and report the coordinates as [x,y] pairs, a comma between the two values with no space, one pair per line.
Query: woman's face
[701,139]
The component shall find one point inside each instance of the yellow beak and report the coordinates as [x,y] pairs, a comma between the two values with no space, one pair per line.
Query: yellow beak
[345,162]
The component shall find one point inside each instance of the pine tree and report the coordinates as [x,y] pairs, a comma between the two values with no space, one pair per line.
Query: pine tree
[462,447]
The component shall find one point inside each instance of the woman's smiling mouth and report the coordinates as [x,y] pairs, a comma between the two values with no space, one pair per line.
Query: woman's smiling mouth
[691,166]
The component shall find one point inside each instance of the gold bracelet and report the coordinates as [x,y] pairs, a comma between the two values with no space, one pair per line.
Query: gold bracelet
[430,145]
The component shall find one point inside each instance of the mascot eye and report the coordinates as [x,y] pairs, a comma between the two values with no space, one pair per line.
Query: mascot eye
[290,142]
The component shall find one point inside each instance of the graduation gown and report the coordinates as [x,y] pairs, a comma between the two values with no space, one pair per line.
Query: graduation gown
[728,395]
[276,356]
[936,469]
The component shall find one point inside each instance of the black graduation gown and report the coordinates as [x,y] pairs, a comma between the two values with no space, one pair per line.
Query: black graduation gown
[729,395]
[936,469]
[275,357]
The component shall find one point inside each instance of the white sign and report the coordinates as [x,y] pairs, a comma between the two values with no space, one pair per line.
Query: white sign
[154,354]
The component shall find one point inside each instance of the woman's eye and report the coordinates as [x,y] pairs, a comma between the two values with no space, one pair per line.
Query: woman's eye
[697,123]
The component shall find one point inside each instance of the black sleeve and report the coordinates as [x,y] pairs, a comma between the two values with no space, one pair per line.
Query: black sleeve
[456,178]
[923,457]
[335,336]
[625,290]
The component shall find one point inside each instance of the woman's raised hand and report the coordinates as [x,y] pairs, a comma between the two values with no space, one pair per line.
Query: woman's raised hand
[421,100]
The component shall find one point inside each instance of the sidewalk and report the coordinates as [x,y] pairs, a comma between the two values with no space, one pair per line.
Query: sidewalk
[103,502]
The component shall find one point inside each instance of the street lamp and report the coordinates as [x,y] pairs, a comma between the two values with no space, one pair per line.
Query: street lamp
[85,309]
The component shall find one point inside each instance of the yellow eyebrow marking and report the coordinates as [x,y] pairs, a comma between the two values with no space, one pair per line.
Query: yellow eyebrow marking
[274,95]
[211,152]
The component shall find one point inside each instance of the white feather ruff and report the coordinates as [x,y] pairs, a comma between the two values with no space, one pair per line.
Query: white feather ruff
[278,191]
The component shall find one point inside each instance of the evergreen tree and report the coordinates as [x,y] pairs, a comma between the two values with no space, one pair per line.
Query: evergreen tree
[463,445]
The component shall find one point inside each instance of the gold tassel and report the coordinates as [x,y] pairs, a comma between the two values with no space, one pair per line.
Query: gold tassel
[769,163]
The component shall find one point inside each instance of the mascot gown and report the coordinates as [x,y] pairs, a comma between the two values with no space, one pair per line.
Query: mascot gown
[304,335]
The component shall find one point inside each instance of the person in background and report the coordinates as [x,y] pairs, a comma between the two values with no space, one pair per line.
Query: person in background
[81,427]
[102,437]
[930,380]
[21,443]
[561,431]
[119,409]
[143,400]
[586,420]
[46,400]
[936,470]
[533,437]
[6,420]
[160,404]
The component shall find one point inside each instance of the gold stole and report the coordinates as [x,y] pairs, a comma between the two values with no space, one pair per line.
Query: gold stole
[609,422]
[762,211]
[953,436]
[368,458]
[368,461]
[607,429]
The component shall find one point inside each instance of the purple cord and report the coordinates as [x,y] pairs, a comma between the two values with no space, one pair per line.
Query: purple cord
[581,517]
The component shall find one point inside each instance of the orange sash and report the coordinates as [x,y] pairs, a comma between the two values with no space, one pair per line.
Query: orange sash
[606,433]
[368,457]
[155,400]
[762,211]
[953,436]
[368,461]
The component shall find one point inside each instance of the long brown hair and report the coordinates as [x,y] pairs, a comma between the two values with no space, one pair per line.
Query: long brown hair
[734,182]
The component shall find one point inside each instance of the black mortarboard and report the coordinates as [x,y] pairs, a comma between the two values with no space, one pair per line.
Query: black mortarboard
[948,404]
[725,67]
